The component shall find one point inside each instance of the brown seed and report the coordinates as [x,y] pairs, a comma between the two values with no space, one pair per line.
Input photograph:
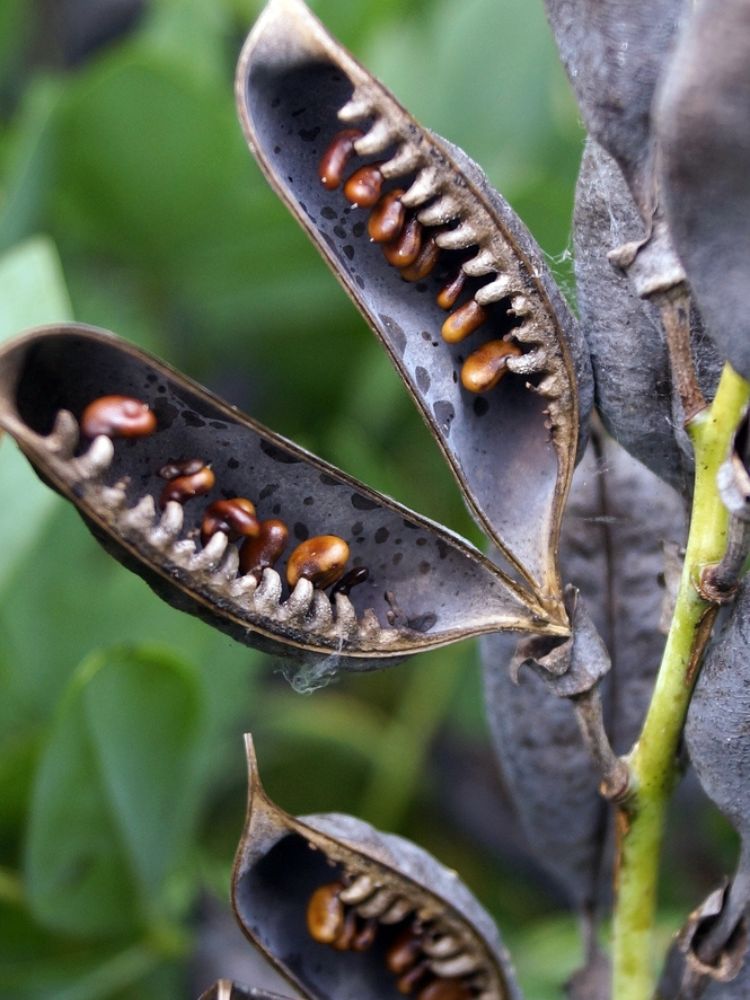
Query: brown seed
[363,187]
[484,367]
[345,939]
[261,552]
[445,989]
[404,952]
[118,416]
[320,559]
[325,913]
[351,579]
[425,262]
[365,935]
[184,488]
[404,250]
[336,157]
[235,517]
[463,321]
[411,979]
[448,294]
[387,217]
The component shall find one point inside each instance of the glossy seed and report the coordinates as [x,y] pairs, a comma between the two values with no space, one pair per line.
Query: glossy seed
[337,155]
[321,560]
[263,551]
[445,989]
[184,487]
[404,250]
[484,367]
[425,262]
[387,217]
[235,517]
[404,952]
[118,416]
[463,322]
[449,293]
[344,941]
[351,579]
[365,936]
[325,913]
[363,187]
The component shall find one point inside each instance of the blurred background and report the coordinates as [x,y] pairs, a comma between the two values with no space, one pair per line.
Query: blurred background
[129,200]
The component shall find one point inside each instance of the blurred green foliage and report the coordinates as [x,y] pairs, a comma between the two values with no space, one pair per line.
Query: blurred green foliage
[121,769]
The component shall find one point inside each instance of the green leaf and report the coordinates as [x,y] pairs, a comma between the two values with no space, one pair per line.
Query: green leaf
[115,793]
[32,291]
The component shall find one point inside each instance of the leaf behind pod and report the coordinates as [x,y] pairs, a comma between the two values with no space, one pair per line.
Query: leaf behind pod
[704,131]
[425,586]
[512,447]
[634,391]
[385,882]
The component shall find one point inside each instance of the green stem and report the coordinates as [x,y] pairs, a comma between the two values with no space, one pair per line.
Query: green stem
[653,760]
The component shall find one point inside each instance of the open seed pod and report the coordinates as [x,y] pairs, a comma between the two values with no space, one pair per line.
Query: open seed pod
[703,118]
[147,455]
[718,741]
[348,912]
[635,394]
[441,268]
[618,518]
[225,989]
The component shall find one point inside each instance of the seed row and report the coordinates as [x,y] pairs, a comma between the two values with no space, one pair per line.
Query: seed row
[436,217]
[232,539]
[429,963]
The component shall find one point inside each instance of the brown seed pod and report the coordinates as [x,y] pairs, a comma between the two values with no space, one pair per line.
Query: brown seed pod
[385,880]
[321,560]
[118,417]
[236,518]
[484,367]
[387,217]
[294,80]
[446,588]
[185,487]
[333,162]
[265,549]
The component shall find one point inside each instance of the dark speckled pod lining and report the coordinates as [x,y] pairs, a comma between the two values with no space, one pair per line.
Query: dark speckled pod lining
[512,448]
[426,586]
[282,860]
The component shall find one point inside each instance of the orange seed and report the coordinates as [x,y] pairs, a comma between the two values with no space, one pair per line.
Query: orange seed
[484,367]
[118,416]
[321,560]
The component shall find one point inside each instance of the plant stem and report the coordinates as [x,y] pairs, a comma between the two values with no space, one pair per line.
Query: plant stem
[653,760]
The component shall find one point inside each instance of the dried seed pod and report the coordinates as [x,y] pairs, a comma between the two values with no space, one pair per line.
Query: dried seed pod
[293,81]
[387,217]
[333,162]
[321,560]
[718,742]
[615,94]
[635,395]
[118,416]
[446,588]
[265,550]
[187,485]
[235,517]
[225,989]
[484,367]
[617,521]
[276,874]
[702,124]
